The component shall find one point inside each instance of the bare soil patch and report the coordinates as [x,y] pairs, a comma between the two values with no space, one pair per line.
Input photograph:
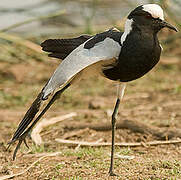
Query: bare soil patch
[154,101]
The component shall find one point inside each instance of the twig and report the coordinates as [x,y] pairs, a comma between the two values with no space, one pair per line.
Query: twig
[75,133]
[20,173]
[78,146]
[134,126]
[95,144]
[169,60]
[21,41]
[35,135]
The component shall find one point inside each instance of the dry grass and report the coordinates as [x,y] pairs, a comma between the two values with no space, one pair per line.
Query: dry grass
[154,99]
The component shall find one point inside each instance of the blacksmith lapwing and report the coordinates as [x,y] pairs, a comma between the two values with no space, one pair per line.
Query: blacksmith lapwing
[118,56]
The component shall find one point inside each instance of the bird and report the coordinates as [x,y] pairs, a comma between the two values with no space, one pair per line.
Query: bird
[118,56]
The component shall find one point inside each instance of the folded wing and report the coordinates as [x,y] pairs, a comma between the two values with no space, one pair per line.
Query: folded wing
[82,57]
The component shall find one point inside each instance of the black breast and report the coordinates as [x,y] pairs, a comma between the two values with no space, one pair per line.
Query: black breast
[139,54]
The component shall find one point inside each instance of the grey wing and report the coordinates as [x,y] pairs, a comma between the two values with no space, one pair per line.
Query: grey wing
[79,59]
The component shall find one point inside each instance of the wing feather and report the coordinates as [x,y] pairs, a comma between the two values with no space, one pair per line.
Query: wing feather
[79,59]
[61,48]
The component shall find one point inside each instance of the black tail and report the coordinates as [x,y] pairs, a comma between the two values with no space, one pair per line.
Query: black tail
[24,127]
[61,48]
[30,114]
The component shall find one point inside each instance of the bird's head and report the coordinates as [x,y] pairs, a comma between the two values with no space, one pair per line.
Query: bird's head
[149,16]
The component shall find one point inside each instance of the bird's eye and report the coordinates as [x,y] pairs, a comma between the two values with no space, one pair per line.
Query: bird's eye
[148,16]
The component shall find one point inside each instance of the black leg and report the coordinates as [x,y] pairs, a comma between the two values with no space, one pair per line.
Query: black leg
[120,94]
[22,137]
[111,173]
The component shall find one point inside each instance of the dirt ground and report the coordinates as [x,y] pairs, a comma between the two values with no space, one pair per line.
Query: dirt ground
[154,100]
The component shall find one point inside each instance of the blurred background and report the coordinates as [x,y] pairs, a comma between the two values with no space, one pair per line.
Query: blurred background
[25,24]
[154,99]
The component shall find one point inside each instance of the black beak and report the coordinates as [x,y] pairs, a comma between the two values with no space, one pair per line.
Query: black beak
[165,24]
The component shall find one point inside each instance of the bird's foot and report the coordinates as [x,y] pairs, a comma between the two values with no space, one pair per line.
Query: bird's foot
[111,173]
[21,139]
